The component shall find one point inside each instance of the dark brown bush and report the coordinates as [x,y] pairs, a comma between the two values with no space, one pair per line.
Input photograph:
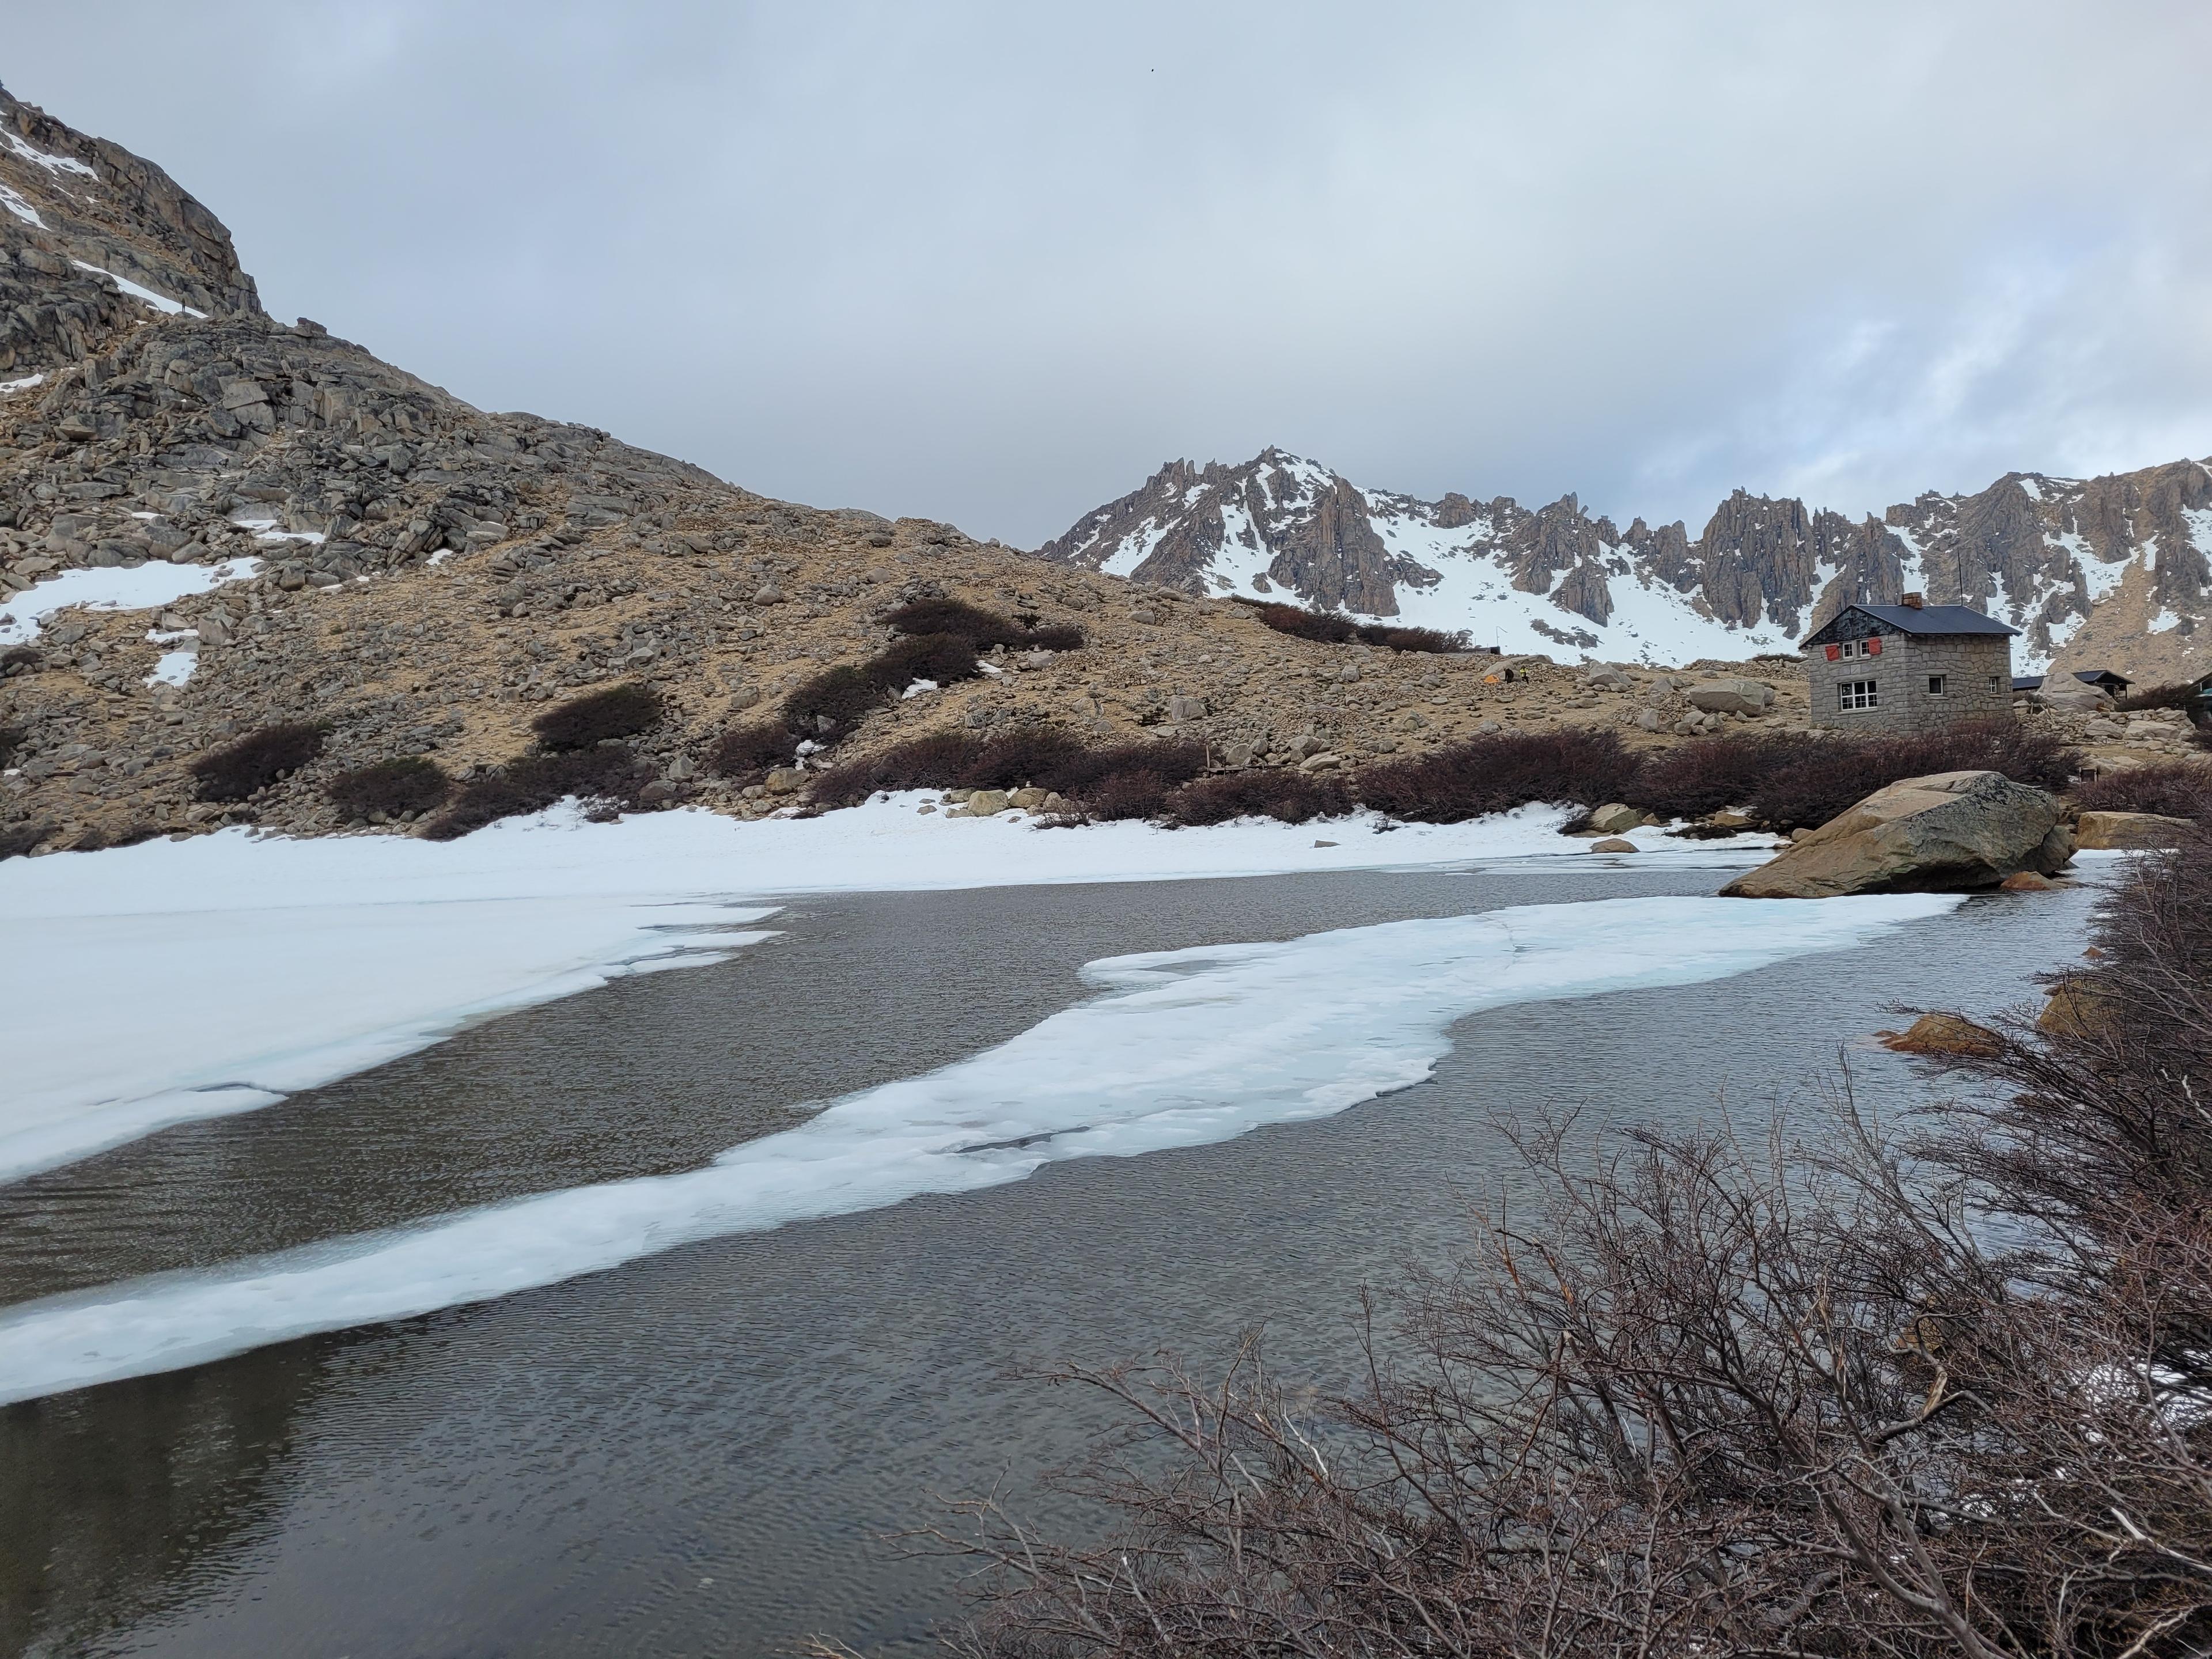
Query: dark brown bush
[935,761]
[256,760]
[1288,796]
[1833,773]
[1331,629]
[1498,772]
[12,737]
[2179,789]
[1302,623]
[610,774]
[1044,756]
[1393,637]
[944,658]
[620,711]
[981,629]
[414,784]
[1088,772]
[1707,773]
[744,751]
[25,657]
[1061,636]
[17,839]
[830,705]
[1137,794]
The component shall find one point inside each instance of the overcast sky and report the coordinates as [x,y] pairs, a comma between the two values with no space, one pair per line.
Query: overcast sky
[994,263]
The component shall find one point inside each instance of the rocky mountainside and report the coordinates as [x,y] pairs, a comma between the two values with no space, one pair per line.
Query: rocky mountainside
[2111,572]
[213,524]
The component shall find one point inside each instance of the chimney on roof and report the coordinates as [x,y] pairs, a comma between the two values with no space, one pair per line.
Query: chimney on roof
[1912,601]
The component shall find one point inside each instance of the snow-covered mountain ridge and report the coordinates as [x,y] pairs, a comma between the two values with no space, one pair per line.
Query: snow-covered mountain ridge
[2115,571]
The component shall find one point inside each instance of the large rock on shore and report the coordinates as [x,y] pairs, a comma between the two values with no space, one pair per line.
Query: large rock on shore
[1943,833]
[2107,831]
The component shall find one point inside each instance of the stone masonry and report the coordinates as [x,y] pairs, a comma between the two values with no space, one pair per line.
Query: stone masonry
[1921,681]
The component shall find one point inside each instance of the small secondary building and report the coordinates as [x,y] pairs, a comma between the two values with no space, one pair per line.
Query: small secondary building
[1908,667]
[2103,679]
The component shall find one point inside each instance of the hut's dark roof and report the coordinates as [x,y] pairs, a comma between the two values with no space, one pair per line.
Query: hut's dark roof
[2028,682]
[1921,619]
[2101,676]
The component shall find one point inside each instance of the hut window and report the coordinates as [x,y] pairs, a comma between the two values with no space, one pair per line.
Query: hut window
[1855,694]
[1934,685]
[1997,682]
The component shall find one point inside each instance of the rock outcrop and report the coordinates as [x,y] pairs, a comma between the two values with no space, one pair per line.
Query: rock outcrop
[1950,831]
[2113,572]
[2128,831]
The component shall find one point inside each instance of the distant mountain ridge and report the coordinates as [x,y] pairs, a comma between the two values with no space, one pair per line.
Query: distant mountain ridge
[2115,571]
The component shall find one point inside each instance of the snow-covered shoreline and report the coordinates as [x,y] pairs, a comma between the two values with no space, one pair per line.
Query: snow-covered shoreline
[156,984]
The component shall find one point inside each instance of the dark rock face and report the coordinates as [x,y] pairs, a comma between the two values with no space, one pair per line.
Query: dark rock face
[2037,552]
[79,217]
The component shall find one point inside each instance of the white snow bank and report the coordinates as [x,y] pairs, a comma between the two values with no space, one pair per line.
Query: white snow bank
[174,667]
[161,302]
[16,203]
[23,384]
[262,965]
[1185,1049]
[31,153]
[118,588]
[264,529]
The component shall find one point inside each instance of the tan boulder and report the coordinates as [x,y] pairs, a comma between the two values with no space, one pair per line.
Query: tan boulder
[1943,833]
[2075,1007]
[2107,831]
[1614,818]
[1942,1034]
[1613,845]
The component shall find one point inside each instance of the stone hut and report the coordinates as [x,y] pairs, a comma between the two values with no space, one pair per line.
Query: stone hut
[1908,667]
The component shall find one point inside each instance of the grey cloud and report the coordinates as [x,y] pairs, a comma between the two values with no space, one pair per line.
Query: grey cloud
[994,263]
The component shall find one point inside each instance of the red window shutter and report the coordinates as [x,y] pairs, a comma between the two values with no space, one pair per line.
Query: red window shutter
[1874,646]
[1834,651]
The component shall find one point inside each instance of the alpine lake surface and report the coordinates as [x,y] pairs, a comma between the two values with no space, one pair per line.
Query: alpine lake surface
[713,1450]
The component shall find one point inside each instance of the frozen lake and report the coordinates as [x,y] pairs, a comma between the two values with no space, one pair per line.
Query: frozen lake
[696,1445]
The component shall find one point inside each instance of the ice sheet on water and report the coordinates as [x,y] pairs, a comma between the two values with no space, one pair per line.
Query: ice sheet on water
[1183,1048]
[337,953]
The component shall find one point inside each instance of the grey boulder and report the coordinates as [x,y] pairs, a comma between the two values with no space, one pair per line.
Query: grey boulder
[1733,696]
[1948,832]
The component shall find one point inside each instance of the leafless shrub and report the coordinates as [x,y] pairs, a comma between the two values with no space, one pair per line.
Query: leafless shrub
[2181,789]
[1498,773]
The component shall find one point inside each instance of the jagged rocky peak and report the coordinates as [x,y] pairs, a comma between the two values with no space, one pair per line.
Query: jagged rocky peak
[93,240]
[2113,568]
